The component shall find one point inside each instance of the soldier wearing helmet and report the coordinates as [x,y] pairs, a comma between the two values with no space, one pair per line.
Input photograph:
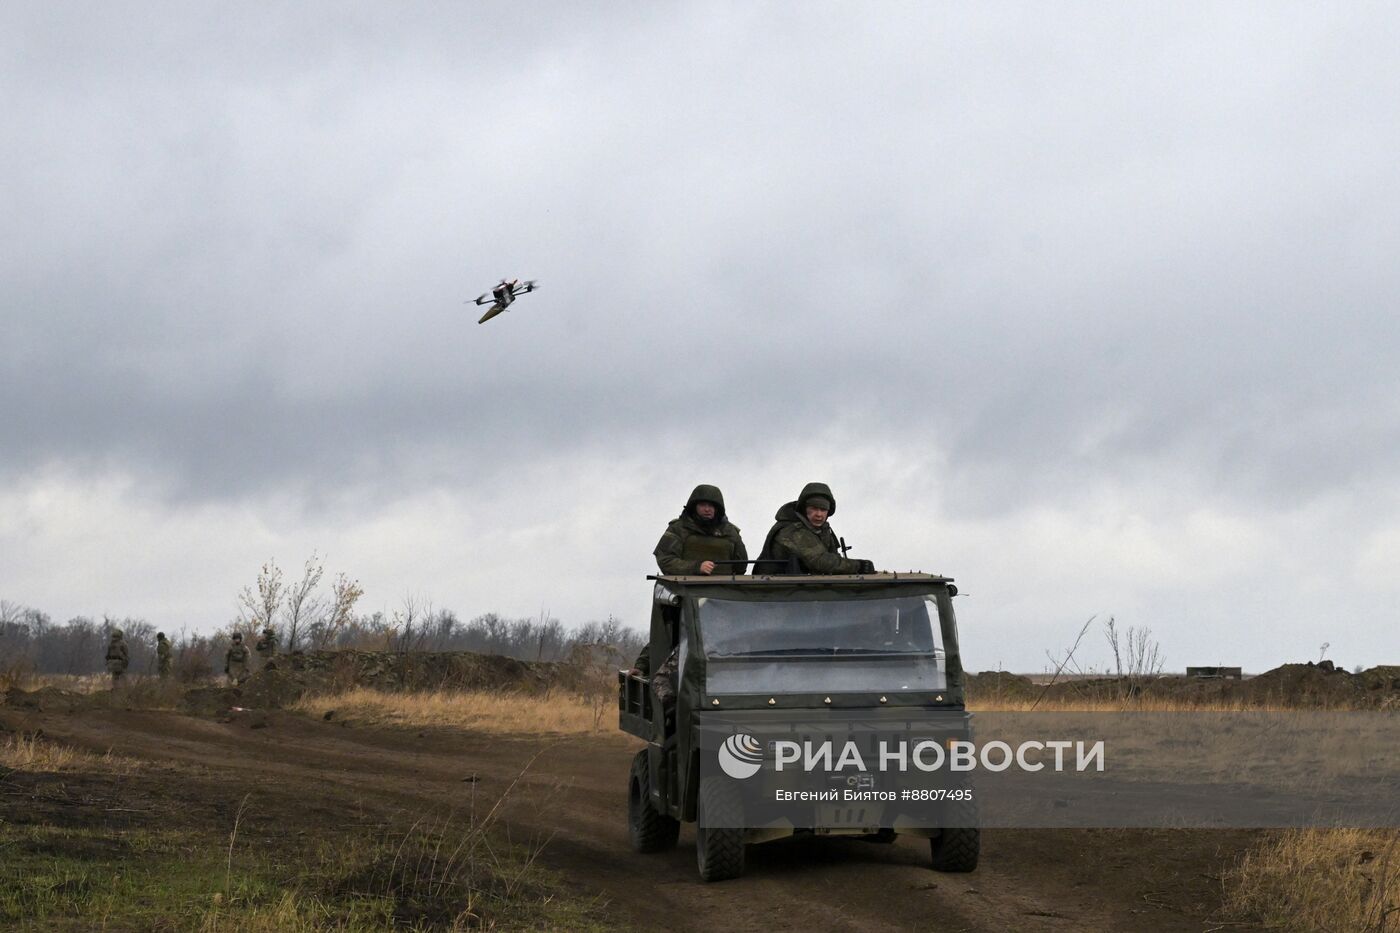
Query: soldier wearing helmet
[236,660]
[700,541]
[802,539]
[116,657]
[163,655]
[266,647]
[701,537]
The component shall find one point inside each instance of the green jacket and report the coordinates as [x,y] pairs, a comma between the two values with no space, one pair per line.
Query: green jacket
[688,542]
[817,550]
[116,656]
[237,654]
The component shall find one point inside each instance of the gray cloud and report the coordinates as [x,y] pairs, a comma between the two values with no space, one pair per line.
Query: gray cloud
[1067,250]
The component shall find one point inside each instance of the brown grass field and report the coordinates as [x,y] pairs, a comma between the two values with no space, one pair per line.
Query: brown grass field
[363,809]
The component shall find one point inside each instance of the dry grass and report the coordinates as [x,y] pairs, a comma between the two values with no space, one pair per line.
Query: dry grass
[1142,704]
[31,753]
[1321,880]
[1158,703]
[478,710]
[74,683]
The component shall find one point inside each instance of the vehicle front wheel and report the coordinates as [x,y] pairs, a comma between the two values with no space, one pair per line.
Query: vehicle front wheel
[719,840]
[649,829]
[956,849]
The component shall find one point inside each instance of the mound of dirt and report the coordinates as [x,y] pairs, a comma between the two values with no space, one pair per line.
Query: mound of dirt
[1297,686]
[1306,685]
[321,671]
[998,686]
[1384,677]
[428,670]
[45,699]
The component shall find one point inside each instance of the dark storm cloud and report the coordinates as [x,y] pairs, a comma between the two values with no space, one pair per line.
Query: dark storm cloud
[236,243]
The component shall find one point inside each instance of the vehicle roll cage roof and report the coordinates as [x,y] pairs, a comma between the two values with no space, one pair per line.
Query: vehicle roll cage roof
[759,580]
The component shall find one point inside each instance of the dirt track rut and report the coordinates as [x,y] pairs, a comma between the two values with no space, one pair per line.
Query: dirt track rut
[572,796]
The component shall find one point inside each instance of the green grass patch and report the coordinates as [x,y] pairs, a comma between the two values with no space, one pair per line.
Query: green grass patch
[56,878]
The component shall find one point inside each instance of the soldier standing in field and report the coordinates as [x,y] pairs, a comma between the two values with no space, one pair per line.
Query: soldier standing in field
[266,647]
[801,535]
[236,660]
[163,655]
[116,657]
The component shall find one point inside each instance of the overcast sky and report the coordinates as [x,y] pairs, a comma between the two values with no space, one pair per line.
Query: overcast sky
[1093,308]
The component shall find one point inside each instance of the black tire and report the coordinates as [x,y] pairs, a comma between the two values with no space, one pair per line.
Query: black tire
[719,850]
[956,849]
[649,829]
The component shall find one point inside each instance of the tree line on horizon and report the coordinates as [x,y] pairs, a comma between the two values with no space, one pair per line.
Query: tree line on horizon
[31,642]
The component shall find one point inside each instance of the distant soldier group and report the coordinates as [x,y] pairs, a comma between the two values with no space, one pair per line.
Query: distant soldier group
[236,658]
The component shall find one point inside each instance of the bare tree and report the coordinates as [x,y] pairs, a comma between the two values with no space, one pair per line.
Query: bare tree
[1136,655]
[409,627]
[326,630]
[258,610]
[302,607]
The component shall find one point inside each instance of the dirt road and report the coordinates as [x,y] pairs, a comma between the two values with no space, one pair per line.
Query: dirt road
[570,793]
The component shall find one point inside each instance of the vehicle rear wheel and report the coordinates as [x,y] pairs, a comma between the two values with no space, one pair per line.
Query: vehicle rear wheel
[956,849]
[719,848]
[649,829]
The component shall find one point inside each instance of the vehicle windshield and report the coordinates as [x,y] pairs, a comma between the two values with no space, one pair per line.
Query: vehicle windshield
[857,645]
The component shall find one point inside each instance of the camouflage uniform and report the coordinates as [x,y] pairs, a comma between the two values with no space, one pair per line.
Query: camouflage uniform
[816,550]
[236,661]
[162,656]
[689,542]
[266,647]
[116,657]
[686,544]
[663,681]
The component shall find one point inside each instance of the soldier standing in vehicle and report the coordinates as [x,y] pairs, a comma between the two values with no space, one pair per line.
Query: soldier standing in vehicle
[266,647]
[162,655]
[801,535]
[698,542]
[701,537]
[117,658]
[236,660]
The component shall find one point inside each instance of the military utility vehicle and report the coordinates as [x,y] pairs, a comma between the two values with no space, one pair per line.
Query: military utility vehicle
[744,654]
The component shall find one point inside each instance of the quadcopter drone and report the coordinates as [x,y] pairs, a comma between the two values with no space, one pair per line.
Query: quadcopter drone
[503,295]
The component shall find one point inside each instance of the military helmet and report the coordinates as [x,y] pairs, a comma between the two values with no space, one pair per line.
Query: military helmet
[706,493]
[237,636]
[269,631]
[116,633]
[160,636]
[817,491]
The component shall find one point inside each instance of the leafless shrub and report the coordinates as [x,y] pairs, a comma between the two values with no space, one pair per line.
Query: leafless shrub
[302,606]
[1137,657]
[259,609]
